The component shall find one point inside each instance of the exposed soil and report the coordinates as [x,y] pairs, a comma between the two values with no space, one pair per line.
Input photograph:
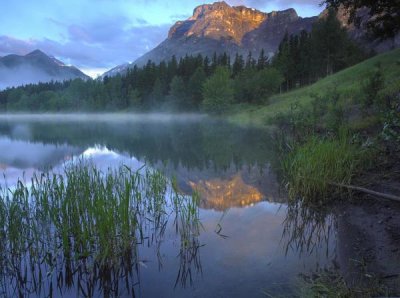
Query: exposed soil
[369,241]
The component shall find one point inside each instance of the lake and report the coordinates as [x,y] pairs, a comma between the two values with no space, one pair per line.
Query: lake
[249,244]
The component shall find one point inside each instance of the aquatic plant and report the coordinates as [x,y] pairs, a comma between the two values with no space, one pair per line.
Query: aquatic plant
[82,228]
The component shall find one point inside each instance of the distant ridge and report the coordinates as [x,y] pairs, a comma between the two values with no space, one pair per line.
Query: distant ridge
[33,68]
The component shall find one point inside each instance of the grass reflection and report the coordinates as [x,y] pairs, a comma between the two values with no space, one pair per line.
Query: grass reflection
[307,229]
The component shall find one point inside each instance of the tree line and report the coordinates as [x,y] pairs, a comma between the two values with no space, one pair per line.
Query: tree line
[195,83]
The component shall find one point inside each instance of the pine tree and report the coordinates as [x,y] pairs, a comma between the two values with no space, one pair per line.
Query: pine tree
[262,61]
[238,65]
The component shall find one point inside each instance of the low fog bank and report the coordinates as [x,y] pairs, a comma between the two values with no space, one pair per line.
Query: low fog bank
[26,74]
[106,117]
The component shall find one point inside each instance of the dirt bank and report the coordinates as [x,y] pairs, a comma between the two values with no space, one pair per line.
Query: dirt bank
[369,241]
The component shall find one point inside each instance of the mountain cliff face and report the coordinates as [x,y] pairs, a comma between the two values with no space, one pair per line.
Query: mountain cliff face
[219,21]
[221,28]
[359,33]
[34,67]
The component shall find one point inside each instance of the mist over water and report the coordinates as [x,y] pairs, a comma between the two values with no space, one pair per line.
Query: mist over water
[105,117]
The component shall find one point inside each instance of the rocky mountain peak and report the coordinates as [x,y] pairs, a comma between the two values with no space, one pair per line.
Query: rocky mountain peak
[288,14]
[202,10]
[219,21]
[36,53]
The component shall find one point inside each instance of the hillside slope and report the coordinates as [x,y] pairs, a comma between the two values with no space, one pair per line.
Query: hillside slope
[348,84]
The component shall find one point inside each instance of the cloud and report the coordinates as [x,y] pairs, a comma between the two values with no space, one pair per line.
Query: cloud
[94,45]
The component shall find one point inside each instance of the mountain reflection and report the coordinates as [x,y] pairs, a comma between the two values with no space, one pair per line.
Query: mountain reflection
[221,194]
[233,188]
[208,156]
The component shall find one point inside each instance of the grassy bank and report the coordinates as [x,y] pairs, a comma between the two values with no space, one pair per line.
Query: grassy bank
[333,127]
[348,83]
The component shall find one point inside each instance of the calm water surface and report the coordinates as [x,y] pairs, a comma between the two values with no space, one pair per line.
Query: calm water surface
[248,245]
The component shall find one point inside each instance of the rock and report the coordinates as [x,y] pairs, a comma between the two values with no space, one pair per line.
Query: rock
[219,27]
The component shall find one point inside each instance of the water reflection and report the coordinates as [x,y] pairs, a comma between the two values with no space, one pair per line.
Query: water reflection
[221,194]
[232,251]
[209,156]
[308,230]
[24,155]
[192,144]
[81,232]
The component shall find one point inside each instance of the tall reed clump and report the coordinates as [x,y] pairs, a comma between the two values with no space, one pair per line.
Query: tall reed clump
[84,222]
[313,168]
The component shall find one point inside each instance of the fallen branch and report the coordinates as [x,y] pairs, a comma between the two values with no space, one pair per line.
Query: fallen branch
[367,191]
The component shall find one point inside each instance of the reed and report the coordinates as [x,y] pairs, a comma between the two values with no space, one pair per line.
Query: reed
[311,168]
[88,222]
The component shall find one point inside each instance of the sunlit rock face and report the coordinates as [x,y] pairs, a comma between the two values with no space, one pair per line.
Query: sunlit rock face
[219,28]
[219,21]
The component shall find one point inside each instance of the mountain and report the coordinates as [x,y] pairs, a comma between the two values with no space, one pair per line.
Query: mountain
[220,28]
[120,69]
[34,67]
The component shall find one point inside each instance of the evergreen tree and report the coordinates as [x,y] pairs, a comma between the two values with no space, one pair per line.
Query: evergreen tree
[330,40]
[177,94]
[262,61]
[195,87]
[238,65]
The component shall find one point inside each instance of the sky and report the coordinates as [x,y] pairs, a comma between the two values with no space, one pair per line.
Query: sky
[96,35]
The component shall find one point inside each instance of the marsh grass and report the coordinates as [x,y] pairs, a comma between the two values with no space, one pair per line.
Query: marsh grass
[311,168]
[82,228]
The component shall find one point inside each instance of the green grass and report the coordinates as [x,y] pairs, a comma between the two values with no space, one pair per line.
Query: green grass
[348,83]
[311,168]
